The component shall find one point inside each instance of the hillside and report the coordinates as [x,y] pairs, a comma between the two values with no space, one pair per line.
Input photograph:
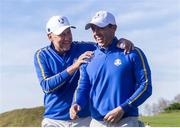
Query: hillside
[22,117]
[32,118]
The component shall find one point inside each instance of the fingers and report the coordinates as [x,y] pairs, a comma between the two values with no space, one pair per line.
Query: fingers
[78,108]
[127,50]
[112,119]
[127,47]
[83,60]
[122,45]
[125,44]
[106,117]
[109,119]
[114,116]
[73,111]
[73,116]
[86,55]
[89,53]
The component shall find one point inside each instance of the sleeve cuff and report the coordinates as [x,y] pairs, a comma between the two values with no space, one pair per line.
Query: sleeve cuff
[125,106]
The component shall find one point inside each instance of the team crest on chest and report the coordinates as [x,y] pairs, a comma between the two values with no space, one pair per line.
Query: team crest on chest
[117,62]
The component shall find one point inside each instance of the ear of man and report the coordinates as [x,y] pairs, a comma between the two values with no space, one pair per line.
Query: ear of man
[49,36]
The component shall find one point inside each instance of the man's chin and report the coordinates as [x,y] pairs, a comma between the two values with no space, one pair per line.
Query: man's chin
[66,49]
[101,45]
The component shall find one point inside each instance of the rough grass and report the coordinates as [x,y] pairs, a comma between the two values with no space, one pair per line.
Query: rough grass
[22,117]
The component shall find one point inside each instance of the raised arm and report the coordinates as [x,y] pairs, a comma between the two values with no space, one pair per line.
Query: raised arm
[50,81]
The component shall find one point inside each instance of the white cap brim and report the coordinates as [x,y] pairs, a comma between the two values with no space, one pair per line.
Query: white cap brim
[61,29]
[99,24]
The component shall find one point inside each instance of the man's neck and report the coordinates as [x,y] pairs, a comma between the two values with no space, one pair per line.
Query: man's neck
[61,51]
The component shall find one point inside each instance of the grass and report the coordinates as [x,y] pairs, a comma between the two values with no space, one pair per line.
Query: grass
[22,117]
[32,118]
[170,119]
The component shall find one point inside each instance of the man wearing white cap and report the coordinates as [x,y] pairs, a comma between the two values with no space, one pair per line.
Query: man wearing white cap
[57,70]
[120,82]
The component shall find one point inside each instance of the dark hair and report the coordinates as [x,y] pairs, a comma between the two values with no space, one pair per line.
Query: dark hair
[111,25]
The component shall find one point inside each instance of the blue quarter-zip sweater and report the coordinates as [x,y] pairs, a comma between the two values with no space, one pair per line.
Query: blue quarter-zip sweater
[112,79]
[58,86]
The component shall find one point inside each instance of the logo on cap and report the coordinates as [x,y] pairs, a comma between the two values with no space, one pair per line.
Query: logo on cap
[48,29]
[61,20]
[97,15]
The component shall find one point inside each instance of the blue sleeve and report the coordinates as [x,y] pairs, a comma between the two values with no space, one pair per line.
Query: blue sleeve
[142,73]
[48,81]
[83,89]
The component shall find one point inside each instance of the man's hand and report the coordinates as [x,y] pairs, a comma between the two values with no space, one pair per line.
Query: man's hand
[114,116]
[75,108]
[125,44]
[82,59]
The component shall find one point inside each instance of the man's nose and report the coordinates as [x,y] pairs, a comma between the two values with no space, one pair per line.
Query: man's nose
[67,37]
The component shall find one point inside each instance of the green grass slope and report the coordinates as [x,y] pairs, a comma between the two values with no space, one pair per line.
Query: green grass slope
[32,118]
[22,117]
[170,119]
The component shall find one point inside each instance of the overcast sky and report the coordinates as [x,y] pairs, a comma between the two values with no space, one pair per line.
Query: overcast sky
[152,25]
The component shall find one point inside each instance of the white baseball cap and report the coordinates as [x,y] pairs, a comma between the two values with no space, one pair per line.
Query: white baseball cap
[57,24]
[101,19]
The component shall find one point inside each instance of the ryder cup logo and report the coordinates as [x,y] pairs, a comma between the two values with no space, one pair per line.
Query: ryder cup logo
[117,62]
[61,20]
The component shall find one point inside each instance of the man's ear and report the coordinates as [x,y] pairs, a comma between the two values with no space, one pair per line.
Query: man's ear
[49,36]
[114,27]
